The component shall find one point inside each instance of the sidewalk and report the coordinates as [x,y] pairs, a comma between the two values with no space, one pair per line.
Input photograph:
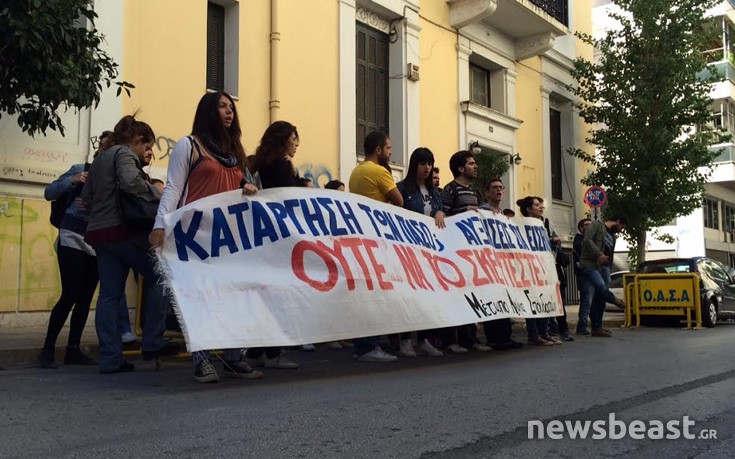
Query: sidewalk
[20,346]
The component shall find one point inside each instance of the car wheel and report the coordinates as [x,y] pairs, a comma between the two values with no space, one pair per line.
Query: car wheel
[709,314]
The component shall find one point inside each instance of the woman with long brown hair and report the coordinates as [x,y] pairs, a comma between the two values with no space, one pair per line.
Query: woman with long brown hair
[212,160]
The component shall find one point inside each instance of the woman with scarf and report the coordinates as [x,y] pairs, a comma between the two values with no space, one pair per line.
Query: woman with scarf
[211,160]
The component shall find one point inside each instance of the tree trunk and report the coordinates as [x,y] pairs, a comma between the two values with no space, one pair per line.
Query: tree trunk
[641,246]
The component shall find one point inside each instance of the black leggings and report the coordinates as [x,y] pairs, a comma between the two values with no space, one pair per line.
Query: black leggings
[78,281]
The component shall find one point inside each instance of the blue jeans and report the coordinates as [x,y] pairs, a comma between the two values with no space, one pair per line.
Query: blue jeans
[365,345]
[114,261]
[125,316]
[585,301]
[598,284]
[537,327]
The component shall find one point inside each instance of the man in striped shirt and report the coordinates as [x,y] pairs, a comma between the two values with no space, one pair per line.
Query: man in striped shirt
[458,197]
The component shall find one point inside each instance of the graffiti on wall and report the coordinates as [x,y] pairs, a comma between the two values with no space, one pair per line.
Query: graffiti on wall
[319,174]
[164,145]
[35,165]
[28,240]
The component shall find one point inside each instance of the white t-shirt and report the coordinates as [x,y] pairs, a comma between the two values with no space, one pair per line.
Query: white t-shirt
[427,199]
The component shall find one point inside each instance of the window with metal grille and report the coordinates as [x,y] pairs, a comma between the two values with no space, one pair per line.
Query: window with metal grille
[711,214]
[556,152]
[372,83]
[215,47]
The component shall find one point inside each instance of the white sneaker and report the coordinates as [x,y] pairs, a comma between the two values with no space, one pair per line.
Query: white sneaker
[456,349]
[308,348]
[129,337]
[426,348]
[407,348]
[334,346]
[481,348]
[281,362]
[377,355]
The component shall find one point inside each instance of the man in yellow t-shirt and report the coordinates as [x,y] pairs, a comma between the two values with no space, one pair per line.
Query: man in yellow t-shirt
[372,179]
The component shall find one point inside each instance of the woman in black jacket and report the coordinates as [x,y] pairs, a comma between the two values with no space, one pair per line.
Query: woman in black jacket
[273,164]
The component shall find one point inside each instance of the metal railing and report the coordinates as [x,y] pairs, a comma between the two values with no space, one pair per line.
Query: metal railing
[724,69]
[726,153]
[558,9]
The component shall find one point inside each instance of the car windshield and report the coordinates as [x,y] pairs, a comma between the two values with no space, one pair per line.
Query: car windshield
[665,266]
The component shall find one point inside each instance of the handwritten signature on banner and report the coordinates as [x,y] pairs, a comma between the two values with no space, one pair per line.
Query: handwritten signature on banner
[317,247]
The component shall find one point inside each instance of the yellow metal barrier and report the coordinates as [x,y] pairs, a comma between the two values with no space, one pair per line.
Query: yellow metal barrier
[662,295]
[628,297]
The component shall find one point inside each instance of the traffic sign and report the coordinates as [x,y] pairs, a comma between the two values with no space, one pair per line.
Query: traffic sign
[595,196]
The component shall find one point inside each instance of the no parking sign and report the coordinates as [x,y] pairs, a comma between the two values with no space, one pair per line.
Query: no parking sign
[595,197]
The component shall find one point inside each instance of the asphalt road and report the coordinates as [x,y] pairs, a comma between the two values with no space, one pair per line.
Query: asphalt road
[454,407]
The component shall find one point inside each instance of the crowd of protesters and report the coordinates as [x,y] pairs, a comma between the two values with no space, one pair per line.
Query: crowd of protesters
[97,243]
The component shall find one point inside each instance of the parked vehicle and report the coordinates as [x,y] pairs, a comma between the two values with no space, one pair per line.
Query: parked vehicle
[616,287]
[717,283]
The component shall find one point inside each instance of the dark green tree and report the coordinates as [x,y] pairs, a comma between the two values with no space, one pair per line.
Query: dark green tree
[51,60]
[647,99]
[490,165]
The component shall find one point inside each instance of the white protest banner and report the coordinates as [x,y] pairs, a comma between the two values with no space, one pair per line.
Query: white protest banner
[298,265]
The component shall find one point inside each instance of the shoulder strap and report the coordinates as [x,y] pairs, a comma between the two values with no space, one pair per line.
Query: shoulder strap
[191,166]
[114,165]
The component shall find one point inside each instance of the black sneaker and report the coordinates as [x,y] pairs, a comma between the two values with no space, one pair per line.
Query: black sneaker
[500,346]
[567,337]
[126,367]
[240,369]
[46,359]
[167,349]
[515,344]
[205,372]
[75,356]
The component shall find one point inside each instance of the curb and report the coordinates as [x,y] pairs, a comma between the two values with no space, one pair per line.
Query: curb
[28,356]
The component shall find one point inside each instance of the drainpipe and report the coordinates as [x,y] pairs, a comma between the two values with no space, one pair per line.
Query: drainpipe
[274,104]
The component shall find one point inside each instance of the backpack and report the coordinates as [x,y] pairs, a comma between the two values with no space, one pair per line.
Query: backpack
[59,206]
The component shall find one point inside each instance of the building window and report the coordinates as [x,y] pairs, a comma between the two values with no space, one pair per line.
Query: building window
[724,116]
[487,83]
[372,82]
[479,85]
[729,223]
[222,46]
[557,165]
[215,47]
[711,214]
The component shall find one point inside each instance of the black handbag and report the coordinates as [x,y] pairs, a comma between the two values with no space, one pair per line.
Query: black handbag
[136,212]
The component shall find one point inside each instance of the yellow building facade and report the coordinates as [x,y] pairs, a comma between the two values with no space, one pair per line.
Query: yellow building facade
[444,74]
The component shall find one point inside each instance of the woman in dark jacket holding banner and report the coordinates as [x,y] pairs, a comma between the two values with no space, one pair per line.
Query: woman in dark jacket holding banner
[210,161]
[538,329]
[273,163]
[119,245]
[419,195]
